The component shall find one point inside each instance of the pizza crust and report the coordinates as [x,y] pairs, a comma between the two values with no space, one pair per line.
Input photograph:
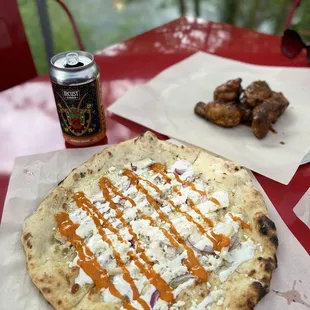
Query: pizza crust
[47,258]
[251,281]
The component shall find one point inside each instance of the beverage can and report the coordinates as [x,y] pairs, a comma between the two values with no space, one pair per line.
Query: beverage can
[76,85]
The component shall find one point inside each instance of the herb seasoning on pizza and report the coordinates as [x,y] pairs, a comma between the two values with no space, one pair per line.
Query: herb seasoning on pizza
[149,225]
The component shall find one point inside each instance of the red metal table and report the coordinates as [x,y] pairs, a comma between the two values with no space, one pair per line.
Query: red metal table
[29,123]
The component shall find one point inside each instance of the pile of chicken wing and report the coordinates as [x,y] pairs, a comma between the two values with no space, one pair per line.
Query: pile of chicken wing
[257,105]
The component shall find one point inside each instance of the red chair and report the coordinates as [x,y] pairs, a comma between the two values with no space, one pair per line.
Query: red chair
[16,61]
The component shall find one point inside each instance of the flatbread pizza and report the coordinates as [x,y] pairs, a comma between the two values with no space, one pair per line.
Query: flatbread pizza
[146,224]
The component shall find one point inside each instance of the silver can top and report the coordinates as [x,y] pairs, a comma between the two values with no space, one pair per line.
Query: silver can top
[72,60]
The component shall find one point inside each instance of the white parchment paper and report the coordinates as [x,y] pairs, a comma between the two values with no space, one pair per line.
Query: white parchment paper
[35,176]
[302,209]
[166,103]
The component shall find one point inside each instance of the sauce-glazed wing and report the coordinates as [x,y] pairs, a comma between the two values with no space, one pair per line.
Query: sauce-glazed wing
[246,111]
[267,113]
[261,121]
[257,92]
[278,103]
[220,113]
[229,91]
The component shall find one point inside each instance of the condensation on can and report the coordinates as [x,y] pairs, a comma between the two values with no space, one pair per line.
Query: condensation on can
[77,90]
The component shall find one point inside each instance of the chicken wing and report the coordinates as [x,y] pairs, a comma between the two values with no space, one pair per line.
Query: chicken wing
[261,121]
[246,111]
[256,93]
[229,91]
[220,113]
[278,103]
[267,113]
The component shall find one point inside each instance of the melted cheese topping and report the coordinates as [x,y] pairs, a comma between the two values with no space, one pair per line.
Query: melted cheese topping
[139,236]
[236,257]
[211,298]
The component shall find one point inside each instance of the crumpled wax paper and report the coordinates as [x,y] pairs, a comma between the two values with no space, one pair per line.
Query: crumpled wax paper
[166,105]
[302,208]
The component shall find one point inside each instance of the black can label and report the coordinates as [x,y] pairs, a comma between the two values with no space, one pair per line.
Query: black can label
[80,109]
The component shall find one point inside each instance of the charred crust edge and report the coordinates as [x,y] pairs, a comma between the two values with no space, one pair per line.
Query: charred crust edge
[27,236]
[75,288]
[275,260]
[142,133]
[274,240]
[269,263]
[60,182]
[260,289]
[267,228]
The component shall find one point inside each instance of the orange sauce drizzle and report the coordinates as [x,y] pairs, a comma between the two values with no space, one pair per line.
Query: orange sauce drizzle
[194,207]
[191,262]
[164,231]
[163,288]
[190,184]
[175,189]
[214,200]
[242,222]
[159,168]
[114,189]
[157,189]
[154,278]
[87,260]
[83,203]
[188,217]
[105,184]
[219,240]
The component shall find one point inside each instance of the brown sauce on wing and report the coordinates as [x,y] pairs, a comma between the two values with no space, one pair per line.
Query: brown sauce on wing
[272,130]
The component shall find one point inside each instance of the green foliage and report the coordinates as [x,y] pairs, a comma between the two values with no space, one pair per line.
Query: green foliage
[33,31]
[101,23]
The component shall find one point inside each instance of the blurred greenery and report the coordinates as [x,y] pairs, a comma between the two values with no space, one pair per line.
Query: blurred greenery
[105,22]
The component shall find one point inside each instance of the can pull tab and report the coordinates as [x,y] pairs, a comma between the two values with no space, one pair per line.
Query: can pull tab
[72,60]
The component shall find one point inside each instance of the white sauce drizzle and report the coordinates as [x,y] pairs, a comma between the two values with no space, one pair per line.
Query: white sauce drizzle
[167,259]
[83,278]
[236,257]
